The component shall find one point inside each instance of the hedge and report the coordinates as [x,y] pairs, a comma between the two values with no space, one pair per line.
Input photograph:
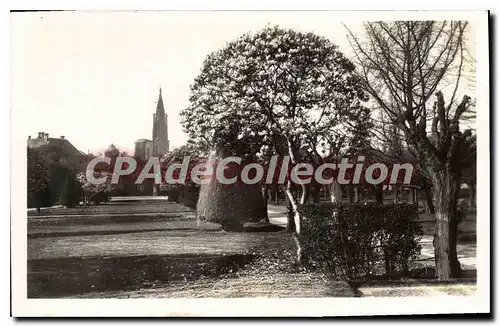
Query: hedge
[72,192]
[354,241]
[189,196]
[174,193]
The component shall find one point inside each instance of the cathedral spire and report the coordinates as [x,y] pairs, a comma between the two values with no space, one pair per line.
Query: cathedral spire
[160,129]
[160,111]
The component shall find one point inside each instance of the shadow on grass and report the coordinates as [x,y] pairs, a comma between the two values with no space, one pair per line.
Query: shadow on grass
[104,232]
[105,220]
[420,276]
[156,206]
[61,277]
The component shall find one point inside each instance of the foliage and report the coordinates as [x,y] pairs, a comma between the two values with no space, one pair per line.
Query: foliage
[468,163]
[38,178]
[72,192]
[46,176]
[196,153]
[97,191]
[100,197]
[189,196]
[275,88]
[270,85]
[173,193]
[355,241]
[49,166]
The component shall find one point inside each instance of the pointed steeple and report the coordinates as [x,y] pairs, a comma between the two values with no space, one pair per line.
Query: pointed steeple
[160,129]
[160,111]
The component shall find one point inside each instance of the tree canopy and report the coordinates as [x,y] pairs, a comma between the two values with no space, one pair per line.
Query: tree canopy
[275,83]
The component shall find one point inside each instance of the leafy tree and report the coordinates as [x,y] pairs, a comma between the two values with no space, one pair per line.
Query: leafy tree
[38,177]
[275,86]
[196,153]
[72,192]
[126,184]
[93,191]
[406,66]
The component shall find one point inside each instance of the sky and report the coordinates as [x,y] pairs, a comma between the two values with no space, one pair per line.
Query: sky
[94,77]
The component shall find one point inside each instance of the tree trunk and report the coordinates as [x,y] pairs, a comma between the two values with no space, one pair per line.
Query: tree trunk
[294,206]
[350,193]
[296,222]
[290,223]
[396,193]
[265,198]
[276,191]
[335,192]
[429,203]
[305,194]
[472,194]
[379,194]
[356,194]
[316,194]
[445,191]
[293,202]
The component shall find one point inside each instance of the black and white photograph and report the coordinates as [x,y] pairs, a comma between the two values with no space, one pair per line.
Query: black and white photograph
[249,163]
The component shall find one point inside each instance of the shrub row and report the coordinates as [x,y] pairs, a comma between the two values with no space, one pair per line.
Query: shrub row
[173,193]
[355,241]
[189,196]
[185,194]
[62,188]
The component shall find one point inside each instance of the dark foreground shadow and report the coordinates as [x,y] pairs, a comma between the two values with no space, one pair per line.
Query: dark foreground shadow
[64,277]
[109,232]
[421,276]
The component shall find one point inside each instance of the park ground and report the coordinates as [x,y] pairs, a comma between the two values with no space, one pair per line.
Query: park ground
[148,247]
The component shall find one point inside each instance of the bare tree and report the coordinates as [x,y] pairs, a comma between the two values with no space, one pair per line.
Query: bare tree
[407,66]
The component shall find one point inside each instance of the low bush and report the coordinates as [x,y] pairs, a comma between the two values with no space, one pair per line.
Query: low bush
[355,241]
[100,197]
[174,193]
[189,195]
[42,198]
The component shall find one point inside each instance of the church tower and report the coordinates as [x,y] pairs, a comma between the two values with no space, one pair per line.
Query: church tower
[160,129]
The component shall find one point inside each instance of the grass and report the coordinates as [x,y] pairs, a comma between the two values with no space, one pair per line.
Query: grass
[264,269]
[199,264]
[120,208]
[281,286]
[156,249]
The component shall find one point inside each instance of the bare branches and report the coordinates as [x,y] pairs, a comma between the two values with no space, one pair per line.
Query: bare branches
[403,65]
[462,108]
[406,62]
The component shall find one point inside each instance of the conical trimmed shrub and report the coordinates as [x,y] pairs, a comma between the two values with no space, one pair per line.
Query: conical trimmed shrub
[230,205]
[70,196]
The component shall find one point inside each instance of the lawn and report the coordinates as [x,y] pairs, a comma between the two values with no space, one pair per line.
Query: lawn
[117,208]
[155,248]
